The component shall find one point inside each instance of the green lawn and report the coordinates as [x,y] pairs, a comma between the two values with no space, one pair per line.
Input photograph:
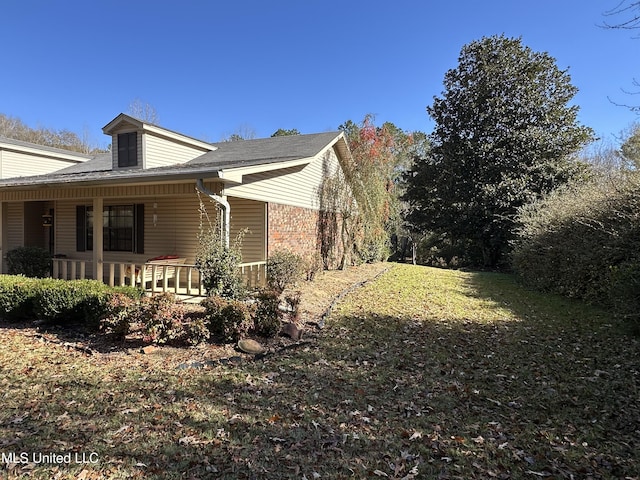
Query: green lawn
[422,373]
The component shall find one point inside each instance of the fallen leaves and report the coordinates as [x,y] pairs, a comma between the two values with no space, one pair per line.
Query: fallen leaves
[466,388]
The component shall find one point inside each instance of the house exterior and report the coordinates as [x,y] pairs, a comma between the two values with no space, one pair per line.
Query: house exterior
[150,189]
[18,159]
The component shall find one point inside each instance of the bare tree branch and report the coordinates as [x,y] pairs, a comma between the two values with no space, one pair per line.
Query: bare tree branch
[624,8]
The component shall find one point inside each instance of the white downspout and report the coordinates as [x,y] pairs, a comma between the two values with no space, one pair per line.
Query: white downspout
[226,208]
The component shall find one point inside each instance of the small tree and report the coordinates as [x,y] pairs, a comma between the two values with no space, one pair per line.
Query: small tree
[363,196]
[217,263]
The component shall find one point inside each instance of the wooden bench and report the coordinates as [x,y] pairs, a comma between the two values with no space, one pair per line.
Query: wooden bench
[159,268]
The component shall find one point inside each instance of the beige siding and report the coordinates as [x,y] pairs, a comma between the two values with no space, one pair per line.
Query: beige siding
[14,226]
[252,216]
[139,191]
[296,186]
[175,230]
[16,164]
[161,152]
[173,233]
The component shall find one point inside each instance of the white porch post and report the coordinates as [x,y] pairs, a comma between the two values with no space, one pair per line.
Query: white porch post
[98,244]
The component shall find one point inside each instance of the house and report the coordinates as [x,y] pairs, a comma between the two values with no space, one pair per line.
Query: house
[149,189]
[19,158]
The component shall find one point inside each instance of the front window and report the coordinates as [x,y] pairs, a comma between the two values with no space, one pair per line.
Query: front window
[122,228]
[128,149]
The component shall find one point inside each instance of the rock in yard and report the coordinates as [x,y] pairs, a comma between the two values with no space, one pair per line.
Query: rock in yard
[250,346]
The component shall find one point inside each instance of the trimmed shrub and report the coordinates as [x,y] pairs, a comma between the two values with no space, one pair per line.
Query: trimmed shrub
[162,318]
[29,261]
[268,317]
[57,301]
[97,305]
[75,301]
[229,319]
[284,268]
[17,297]
[64,301]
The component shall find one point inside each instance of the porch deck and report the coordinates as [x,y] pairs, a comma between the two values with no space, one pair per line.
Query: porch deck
[176,277]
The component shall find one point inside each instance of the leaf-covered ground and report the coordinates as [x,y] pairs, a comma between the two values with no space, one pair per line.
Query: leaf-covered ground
[421,373]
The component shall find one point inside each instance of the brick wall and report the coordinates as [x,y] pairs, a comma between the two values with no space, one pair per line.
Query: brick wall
[292,228]
[297,229]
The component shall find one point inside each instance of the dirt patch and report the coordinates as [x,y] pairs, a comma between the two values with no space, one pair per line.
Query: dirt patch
[318,295]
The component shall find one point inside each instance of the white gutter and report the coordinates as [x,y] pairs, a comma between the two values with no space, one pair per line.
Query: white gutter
[226,208]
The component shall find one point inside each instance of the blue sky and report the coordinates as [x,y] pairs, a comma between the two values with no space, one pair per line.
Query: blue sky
[213,68]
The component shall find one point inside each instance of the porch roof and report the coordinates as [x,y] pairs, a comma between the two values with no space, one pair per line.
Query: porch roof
[221,163]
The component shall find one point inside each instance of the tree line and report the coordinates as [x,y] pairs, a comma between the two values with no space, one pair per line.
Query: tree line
[12,127]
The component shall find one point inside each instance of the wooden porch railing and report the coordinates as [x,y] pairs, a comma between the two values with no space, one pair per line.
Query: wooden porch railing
[179,278]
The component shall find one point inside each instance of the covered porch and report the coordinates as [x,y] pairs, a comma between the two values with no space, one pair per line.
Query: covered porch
[170,275]
[147,235]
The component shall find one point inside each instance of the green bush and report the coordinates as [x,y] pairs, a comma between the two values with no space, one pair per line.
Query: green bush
[57,301]
[98,304]
[29,261]
[66,301]
[17,297]
[284,268]
[584,241]
[229,319]
[219,265]
[267,318]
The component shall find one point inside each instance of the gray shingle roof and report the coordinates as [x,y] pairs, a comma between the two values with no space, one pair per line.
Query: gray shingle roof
[98,163]
[227,155]
[266,150]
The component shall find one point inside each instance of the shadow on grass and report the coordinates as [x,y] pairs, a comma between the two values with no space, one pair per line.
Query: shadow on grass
[536,387]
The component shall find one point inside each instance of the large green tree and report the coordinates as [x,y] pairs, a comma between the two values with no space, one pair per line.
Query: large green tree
[505,134]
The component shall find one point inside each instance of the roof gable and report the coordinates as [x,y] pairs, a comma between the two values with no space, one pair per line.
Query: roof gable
[124,122]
